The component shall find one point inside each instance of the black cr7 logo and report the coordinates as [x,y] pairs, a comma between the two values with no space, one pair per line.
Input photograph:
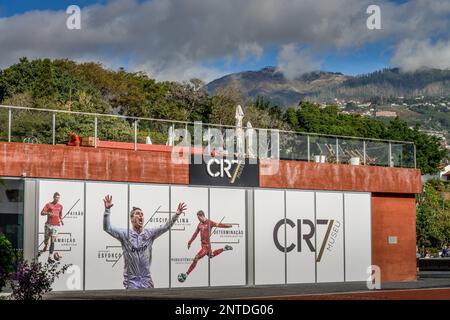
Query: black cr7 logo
[305,236]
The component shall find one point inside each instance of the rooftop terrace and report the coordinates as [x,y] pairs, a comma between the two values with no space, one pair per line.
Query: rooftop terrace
[44,126]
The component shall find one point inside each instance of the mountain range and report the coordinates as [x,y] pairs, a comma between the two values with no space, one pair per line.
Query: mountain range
[325,87]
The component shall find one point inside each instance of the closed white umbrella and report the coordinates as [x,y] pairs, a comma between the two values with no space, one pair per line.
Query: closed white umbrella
[240,136]
[171,137]
[250,133]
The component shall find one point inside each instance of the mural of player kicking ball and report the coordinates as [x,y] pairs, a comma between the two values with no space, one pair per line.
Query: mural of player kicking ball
[204,228]
[137,244]
[53,211]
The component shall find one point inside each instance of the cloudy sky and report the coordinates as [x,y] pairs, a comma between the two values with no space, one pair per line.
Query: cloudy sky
[181,39]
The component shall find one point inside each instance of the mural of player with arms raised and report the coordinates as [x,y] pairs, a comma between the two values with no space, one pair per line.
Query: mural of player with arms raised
[137,244]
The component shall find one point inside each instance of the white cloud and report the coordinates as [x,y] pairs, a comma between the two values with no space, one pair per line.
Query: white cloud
[176,39]
[294,61]
[412,55]
[247,50]
[181,70]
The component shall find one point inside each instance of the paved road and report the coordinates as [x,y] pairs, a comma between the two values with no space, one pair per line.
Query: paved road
[410,294]
[437,285]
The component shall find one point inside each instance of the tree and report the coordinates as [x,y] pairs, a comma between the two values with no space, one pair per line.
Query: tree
[262,114]
[290,117]
[311,117]
[190,99]
[44,84]
[224,104]
[433,215]
[429,151]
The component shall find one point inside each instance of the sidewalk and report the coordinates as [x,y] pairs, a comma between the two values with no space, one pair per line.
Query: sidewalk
[426,280]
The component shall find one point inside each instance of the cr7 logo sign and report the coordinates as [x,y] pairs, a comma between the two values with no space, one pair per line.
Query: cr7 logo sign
[332,231]
[224,167]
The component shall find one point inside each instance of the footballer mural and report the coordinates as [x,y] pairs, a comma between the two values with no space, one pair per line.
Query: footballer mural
[210,243]
[204,228]
[136,244]
[143,236]
[61,221]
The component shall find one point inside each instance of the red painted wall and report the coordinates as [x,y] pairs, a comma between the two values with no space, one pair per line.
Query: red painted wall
[86,163]
[324,176]
[394,215]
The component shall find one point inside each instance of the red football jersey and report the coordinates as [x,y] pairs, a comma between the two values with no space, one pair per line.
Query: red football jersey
[204,228]
[56,213]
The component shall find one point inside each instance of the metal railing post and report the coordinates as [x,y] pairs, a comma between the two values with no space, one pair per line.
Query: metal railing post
[9,124]
[391,164]
[186,134]
[135,134]
[415,160]
[173,134]
[53,127]
[364,151]
[95,132]
[209,142]
[188,142]
[337,150]
[309,149]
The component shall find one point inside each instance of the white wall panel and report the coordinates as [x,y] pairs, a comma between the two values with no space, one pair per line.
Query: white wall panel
[154,202]
[104,260]
[301,266]
[330,237]
[228,206]
[181,257]
[269,260]
[357,236]
[70,238]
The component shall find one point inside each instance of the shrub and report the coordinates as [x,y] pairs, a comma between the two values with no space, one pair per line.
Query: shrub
[7,258]
[33,279]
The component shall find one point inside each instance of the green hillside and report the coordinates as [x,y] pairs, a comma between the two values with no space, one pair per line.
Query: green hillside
[89,87]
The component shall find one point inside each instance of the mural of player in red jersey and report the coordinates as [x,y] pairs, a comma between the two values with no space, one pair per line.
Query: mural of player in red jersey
[53,210]
[204,228]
